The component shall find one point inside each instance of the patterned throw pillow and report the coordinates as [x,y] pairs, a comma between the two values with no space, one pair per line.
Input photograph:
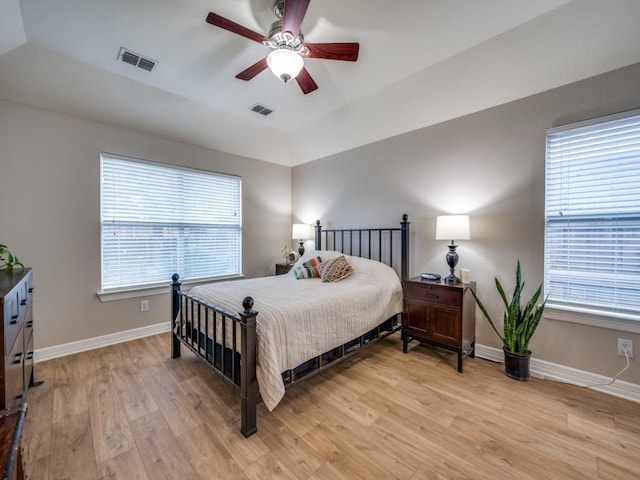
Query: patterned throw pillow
[335,269]
[308,269]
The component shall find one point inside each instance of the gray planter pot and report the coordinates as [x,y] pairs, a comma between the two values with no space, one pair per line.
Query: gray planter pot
[516,365]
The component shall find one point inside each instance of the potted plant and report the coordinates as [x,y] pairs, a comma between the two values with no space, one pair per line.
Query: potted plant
[519,325]
[8,260]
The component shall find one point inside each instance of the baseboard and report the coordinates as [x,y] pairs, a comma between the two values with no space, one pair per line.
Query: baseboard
[48,353]
[561,373]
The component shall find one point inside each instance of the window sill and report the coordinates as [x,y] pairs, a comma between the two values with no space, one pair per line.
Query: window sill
[584,316]
[145,291]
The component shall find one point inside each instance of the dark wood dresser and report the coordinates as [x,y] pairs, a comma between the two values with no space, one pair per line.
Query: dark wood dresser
[440,314]
[16,321]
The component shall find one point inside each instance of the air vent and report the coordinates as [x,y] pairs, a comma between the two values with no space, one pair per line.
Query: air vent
[127,56]
[261,109]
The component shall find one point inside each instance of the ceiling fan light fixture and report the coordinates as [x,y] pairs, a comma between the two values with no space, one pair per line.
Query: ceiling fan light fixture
[285,63]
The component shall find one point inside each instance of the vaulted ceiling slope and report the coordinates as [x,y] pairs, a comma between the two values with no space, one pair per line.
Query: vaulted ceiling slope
[421,62]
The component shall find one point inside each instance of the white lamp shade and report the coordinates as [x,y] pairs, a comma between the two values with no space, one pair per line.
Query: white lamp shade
[301,231]
[452,227]
[285,64]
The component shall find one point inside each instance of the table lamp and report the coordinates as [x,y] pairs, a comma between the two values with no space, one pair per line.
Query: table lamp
[452,227]
[301,232]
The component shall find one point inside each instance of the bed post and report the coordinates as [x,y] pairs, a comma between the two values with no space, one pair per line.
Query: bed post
[404,265]
[248,380]
[318,237]
[175,310]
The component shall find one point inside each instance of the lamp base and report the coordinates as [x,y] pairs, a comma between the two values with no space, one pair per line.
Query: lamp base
[452,261]
[301,249]
[451,279]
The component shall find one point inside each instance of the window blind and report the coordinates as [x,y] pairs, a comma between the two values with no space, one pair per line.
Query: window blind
[592,224]
[157,220]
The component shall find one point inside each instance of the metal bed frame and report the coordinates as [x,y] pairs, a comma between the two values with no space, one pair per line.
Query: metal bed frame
[195,323]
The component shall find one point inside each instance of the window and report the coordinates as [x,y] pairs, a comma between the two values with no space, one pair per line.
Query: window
[592,245]
[157,220]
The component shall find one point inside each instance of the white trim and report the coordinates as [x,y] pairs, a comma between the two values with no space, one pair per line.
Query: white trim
[48,353]
[624,323]
[561,373]
[595,121]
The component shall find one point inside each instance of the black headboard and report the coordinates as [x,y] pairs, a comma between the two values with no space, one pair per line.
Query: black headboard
[389,245]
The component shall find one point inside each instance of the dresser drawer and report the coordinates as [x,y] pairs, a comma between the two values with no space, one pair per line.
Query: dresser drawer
[13,386]
[25,293]
[12,319]
[433,293]
[27,326]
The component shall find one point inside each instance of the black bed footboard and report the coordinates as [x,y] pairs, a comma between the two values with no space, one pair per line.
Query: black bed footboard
[212,333]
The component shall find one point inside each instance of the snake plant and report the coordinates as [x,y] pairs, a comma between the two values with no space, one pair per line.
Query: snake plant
[519,324]
[7,260]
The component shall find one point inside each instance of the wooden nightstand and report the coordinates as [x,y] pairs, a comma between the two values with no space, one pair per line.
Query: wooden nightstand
[440,314]
[282,268]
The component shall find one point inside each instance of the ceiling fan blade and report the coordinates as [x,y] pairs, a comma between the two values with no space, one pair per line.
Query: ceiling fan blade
[347,52]
[253,70]
[294,11]
[307,84]
[218,21]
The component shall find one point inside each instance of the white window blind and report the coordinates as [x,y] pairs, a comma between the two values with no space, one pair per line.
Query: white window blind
[592,245]
[158,220]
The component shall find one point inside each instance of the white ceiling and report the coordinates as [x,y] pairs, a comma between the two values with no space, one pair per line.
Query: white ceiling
[421,62]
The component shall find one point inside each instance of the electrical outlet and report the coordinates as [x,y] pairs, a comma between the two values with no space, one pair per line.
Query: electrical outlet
[625,345]
[144,305]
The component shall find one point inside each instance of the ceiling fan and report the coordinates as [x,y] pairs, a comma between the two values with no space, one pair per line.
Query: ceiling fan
[288,48]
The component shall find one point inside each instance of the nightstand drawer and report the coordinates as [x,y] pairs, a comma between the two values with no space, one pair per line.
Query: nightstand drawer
[283,268]
[433,293]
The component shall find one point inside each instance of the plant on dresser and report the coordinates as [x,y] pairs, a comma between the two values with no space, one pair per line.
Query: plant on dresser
[8,260]
[519,325]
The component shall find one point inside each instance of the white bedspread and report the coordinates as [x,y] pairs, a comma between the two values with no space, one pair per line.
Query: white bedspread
[300,319]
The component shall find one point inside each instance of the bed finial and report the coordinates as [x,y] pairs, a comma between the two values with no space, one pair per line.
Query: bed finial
[247,303]
[175,277]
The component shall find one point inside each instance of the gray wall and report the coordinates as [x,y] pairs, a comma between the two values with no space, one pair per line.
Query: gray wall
[50,215]
[490,165]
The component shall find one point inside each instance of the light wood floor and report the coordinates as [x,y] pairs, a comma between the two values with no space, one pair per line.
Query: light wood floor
[130,412]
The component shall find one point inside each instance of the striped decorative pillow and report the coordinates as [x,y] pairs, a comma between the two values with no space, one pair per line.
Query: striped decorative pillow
[308,269]
[335,269]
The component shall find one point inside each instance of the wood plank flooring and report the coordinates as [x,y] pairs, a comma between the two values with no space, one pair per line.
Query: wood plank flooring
[130,412]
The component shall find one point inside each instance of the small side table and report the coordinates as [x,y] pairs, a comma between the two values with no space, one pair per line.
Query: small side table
[440,314]
[11,421]
[283,268]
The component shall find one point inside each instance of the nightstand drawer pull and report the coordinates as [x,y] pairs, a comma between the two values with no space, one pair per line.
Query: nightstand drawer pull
[431,295]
